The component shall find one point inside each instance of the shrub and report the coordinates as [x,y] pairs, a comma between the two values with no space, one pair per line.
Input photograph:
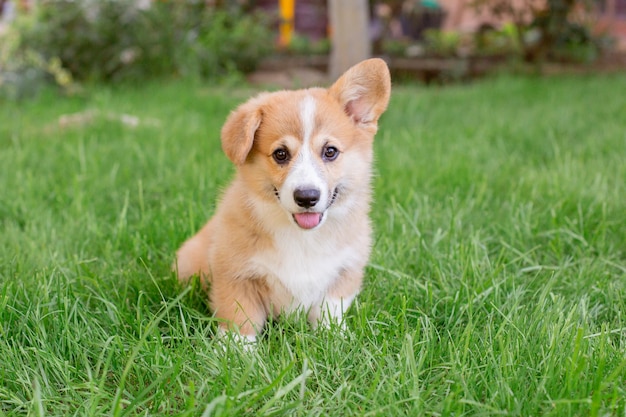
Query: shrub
[489,41]
[304,45]
[114,40]
[547,30]
[232,40]
[24,71]
[441,43]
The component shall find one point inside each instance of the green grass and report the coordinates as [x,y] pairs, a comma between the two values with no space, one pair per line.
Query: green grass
[497,283]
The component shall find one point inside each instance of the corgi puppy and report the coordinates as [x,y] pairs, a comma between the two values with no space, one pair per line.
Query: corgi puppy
[292,230]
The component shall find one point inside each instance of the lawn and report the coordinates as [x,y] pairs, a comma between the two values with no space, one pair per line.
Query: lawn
[497,283]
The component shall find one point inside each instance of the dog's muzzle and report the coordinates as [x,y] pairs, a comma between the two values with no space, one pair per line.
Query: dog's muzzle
[308,198]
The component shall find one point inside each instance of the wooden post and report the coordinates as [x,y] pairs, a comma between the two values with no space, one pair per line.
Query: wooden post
[350,38]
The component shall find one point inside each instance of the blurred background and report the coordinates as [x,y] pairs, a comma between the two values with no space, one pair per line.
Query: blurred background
[301,42]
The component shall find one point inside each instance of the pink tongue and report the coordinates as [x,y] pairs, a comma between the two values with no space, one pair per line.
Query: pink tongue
[307,220]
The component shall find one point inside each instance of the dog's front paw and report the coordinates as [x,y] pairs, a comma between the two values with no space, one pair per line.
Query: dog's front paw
[329,313]
[247,343]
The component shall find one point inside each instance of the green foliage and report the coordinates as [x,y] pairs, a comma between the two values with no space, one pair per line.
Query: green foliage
[574,42]
[441,43]
[230,41]
[395,47]
[113,40]
[23,71]
[503,41]
[548,31]
[496,286]
[304,45]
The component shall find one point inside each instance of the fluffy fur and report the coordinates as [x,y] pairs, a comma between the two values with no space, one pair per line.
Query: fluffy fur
[292,230]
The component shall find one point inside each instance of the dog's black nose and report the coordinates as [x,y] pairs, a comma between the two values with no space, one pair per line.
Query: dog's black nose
[306,197]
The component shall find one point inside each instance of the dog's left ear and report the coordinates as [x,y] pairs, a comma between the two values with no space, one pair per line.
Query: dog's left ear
[363,91]
[239,130]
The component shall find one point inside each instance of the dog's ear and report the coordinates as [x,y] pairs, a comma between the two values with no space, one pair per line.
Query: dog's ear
[363,91]
[239,130]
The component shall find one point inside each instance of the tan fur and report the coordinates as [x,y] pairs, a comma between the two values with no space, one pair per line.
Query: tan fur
[249,254]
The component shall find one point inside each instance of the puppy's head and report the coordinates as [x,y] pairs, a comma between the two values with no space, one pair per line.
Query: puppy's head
[309,152]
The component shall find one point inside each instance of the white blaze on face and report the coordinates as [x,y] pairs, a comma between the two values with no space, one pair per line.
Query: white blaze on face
[305,173]
[308,106]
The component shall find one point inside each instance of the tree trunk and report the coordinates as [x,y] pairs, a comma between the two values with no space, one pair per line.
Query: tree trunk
[349,25]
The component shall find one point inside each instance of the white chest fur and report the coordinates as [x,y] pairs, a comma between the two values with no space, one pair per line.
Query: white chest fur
[302,266]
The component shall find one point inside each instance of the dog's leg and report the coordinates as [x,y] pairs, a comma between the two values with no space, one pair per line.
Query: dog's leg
[193,256]
[337,300]
[240,304]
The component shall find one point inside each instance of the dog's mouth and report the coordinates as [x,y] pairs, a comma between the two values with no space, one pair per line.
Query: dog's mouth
[309,219]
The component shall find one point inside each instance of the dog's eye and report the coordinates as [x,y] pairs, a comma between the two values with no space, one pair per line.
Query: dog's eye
[330,153]
[281,155]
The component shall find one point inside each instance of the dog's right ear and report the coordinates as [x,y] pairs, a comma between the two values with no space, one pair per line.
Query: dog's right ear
[239,130]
